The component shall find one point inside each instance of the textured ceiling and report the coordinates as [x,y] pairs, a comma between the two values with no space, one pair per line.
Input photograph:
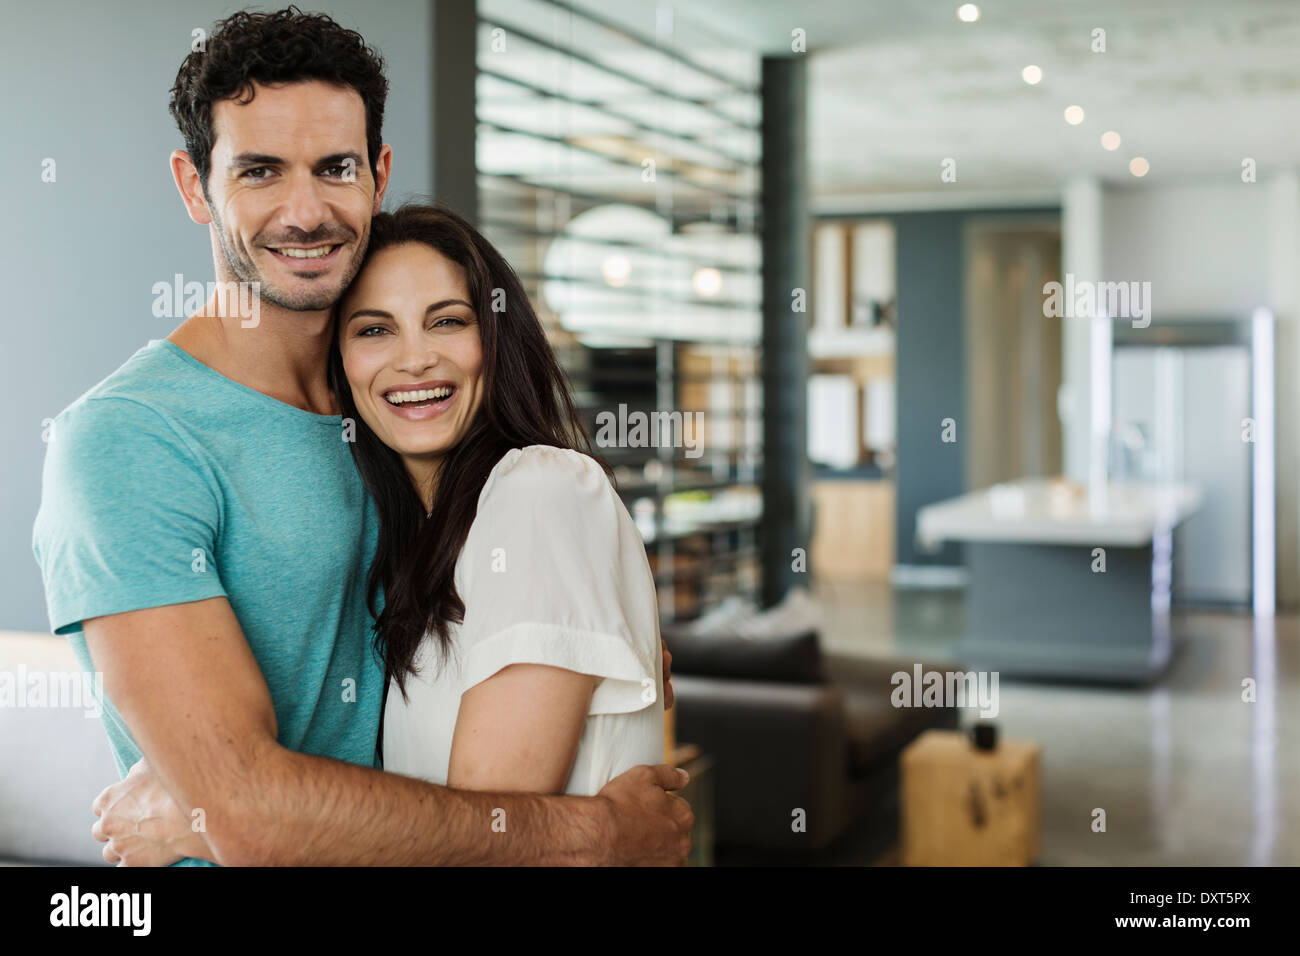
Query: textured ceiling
[898,87]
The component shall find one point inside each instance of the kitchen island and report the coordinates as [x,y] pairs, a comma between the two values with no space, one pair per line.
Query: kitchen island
[1065,581]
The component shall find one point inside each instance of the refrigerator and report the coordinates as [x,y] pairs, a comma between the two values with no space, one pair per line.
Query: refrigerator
[1180,413]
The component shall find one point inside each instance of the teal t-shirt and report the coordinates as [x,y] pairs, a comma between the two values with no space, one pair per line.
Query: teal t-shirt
[167,483]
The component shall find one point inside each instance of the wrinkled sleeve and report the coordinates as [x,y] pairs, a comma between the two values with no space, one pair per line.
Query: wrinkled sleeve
[556,574]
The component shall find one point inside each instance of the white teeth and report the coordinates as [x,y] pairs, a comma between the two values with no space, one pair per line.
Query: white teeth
[421,395]
[306,253]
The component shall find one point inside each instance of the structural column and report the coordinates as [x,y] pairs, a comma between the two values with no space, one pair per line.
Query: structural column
[1284,298]
[787,488]
[1085,345]
[453,70]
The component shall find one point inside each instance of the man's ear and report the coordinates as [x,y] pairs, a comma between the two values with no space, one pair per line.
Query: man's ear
[190,188]
[383,169]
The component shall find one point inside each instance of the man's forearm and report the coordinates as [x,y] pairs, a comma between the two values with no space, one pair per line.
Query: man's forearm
[302,810]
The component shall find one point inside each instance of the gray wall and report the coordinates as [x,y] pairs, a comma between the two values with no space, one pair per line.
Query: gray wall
[85,82]
[931,369]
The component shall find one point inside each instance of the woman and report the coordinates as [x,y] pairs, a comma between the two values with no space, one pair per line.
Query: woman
[519,621]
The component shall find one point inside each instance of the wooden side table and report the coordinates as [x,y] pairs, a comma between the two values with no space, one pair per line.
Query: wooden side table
[966,807]
[699,794]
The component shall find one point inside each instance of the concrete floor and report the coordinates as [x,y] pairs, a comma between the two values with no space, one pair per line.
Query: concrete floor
[1187,772]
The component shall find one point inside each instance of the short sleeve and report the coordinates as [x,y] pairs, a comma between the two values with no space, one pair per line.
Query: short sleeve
[128,517]
[554,572]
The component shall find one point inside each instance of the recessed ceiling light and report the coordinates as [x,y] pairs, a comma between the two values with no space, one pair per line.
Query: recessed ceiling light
[1138,166]
[1074,115]
[1032,75]
[616,269]
[707,281]
[1110,139]
[968,13]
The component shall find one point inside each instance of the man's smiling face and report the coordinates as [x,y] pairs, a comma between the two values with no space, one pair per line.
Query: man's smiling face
[291,191]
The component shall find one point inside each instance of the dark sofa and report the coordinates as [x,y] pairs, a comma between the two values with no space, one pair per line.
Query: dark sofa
[798,731]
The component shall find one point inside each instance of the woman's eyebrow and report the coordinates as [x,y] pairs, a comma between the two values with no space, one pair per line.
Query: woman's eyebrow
[381,314]
[370,313]
[446,302]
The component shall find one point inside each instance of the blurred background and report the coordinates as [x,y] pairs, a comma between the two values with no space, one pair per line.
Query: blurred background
[829,233]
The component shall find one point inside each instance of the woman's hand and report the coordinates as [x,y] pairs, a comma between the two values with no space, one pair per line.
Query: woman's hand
[141,825]
[668,676]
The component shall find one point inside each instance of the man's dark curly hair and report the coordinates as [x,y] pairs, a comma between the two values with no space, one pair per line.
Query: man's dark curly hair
[287,46]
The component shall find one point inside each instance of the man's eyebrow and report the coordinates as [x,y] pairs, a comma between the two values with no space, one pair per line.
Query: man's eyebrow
[335,159]
[250,160]
[247,160]
[381,314]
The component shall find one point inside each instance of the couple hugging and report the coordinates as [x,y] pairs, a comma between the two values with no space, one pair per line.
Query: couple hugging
[254,530]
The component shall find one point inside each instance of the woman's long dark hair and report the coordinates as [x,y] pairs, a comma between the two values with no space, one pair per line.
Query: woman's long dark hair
[525,401]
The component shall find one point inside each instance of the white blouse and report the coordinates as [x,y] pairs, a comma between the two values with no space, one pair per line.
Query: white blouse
[553,572]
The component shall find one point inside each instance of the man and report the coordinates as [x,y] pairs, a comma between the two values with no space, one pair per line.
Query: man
[205,538]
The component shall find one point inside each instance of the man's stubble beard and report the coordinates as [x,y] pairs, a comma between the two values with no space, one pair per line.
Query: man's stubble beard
[244,270]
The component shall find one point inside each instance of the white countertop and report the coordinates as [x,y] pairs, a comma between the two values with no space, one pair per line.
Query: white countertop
[1051,511]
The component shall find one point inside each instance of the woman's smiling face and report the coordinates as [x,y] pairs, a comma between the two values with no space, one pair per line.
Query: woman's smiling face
[409,339]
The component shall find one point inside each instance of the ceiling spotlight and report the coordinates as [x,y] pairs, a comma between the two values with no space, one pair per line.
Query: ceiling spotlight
[1074,115]
[1110,139]
[968,13]
[1138,166]
[1032,75]
[707,282]
[616,269]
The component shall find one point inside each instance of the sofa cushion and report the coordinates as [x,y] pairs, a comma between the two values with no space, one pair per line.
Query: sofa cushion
[792,658]
[875,728]
[53,762]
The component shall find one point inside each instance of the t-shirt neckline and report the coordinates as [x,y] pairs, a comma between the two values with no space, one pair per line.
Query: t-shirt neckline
[283,407]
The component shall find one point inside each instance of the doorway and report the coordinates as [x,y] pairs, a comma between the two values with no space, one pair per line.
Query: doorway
[1013,353]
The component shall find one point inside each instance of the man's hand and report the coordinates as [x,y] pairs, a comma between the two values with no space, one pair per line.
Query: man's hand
[141,825]
[668,675]
[651,827]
